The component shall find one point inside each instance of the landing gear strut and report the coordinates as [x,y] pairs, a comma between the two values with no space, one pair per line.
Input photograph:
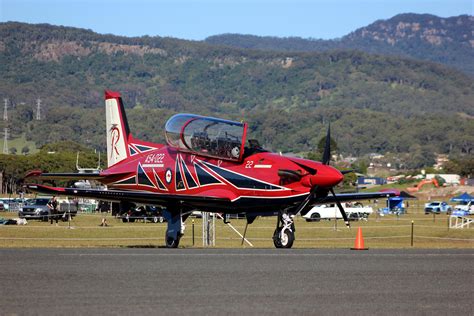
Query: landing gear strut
[284,234]
[175,229]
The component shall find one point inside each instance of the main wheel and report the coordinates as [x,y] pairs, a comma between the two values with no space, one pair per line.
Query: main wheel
[283,240]
[287,238]
[276,238]
[171,242]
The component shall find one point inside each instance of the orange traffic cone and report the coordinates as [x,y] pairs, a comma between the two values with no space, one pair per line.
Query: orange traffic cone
[359,242]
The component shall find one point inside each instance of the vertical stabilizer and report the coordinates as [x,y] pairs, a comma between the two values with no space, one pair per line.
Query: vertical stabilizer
[118,132]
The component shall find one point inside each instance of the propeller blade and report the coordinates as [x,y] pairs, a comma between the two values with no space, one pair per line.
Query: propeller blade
[341,209]
[347,171]
[327,147]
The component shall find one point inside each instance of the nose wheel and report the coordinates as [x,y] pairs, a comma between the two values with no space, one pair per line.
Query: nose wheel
[284,234]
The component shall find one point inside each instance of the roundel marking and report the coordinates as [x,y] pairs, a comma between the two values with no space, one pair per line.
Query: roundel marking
[168,176]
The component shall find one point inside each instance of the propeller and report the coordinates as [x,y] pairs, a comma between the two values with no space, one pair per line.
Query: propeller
[326,160]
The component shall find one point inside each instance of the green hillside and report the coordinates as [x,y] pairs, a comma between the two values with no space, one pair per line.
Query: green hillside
[20,145]
[375,103]
[427,37]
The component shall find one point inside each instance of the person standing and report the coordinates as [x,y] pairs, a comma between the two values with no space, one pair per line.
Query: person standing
[53,207]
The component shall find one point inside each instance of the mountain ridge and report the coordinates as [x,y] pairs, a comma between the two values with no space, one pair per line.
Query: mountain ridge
[375,103]
[427,37]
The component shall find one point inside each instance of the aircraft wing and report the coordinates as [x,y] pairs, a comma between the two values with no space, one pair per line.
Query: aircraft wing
[130,196]
[63,176]
[346,197]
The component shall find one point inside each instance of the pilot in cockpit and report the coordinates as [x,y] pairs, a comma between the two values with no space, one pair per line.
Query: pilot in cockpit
[200,142]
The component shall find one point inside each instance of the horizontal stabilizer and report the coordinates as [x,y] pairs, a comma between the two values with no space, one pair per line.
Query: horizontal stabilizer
[38,174]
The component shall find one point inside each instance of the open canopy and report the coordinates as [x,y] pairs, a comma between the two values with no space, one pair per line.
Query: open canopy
[206,136]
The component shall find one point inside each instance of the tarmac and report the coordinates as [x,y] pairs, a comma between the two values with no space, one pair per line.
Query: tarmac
[236,281]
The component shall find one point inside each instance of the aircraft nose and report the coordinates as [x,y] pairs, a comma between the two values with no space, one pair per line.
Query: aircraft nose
[330,176]
[326,176]
[334,177]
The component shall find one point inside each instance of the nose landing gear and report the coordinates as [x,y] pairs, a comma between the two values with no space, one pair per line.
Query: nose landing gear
[284,234]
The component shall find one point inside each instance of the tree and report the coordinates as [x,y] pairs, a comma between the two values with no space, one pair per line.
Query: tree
[361,166]
[462,166]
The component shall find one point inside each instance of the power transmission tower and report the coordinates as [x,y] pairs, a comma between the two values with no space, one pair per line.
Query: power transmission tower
[5,110]
[5,141]
[38,109]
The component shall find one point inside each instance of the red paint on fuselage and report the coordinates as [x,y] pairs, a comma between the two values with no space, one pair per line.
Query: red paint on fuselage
[260,168]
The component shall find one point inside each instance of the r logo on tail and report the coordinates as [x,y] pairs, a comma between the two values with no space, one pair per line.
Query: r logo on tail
[117,129]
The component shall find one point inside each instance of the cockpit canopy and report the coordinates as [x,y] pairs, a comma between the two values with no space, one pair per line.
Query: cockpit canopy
[206,136]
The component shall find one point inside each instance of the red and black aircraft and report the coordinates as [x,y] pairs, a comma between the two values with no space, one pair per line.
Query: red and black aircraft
[207,165]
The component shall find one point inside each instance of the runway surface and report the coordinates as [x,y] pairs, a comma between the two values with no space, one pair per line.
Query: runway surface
[236,281]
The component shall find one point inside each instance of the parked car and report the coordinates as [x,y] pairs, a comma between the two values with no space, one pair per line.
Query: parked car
[35,209]
[10,204]
[437,207]
[354,211]
[38,209]
[466,206]
[144,213]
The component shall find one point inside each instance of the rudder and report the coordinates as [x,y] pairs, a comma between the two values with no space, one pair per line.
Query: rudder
[118,132]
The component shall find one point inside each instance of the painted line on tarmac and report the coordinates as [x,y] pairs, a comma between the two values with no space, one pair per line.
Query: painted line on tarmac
[223,238]
[261,255]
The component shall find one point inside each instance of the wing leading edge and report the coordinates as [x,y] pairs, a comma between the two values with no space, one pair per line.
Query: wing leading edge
[346,197]
[131,196]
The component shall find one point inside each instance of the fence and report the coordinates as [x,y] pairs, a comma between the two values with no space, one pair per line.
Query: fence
[460,222]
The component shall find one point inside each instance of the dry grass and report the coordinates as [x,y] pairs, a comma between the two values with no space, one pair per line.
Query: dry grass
[384,232]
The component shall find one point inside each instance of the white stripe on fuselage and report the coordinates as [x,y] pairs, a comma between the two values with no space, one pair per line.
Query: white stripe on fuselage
[153,165]
[263,166]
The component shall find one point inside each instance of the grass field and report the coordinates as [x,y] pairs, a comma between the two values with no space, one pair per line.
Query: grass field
[379,232]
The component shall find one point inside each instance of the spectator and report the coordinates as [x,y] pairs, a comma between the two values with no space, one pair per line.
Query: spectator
[53,207]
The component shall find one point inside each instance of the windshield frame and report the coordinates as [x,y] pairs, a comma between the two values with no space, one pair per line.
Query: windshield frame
[185,138]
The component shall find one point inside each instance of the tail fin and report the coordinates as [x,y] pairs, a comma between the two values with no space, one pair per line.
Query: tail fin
[118,132]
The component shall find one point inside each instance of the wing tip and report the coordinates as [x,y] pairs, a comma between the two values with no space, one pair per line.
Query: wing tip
[33,173]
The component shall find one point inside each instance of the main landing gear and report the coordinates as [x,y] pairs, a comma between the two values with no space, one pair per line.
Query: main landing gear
[175,229]
[284,234]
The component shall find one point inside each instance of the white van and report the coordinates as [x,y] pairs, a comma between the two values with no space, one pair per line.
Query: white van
[354,211]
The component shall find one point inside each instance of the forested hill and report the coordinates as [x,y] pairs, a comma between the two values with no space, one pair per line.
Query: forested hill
[447,41]
[374,103]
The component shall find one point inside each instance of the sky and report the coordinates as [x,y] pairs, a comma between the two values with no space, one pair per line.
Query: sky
[198,19]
